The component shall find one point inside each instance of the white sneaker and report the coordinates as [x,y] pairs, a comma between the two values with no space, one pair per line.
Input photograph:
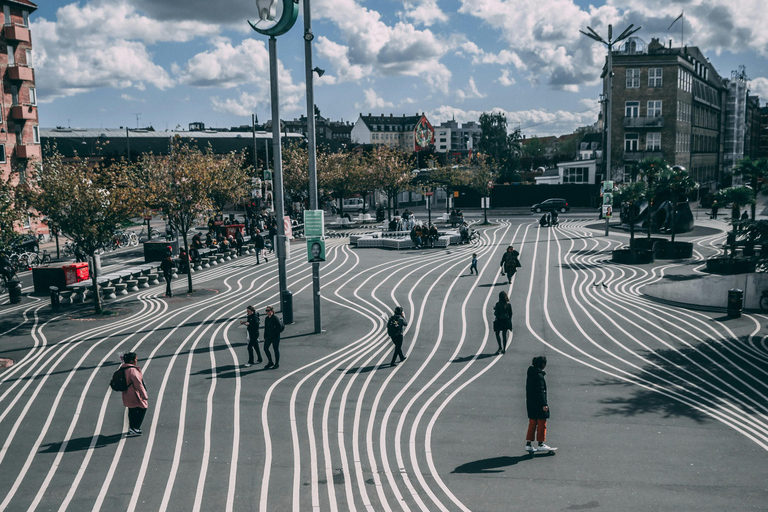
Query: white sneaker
[529,448]
[543,448]
[247,365]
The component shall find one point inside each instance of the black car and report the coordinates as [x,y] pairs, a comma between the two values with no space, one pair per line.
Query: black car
[27,244]
[550,205]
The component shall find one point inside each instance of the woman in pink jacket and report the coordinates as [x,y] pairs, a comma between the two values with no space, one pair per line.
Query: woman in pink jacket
[135,397]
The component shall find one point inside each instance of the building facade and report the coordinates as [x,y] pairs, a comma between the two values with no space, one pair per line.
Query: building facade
[667,103]
[406,133]
[19,130]
[453,137]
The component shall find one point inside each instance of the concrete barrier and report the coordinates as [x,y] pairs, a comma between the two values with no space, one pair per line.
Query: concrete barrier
[708,291]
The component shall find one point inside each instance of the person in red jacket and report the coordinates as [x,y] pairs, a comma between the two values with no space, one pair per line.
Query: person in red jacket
[135,397]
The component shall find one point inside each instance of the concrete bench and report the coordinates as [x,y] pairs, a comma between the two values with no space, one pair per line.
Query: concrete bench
[65,297]
[132,285]
[197,265]
[121,289]
[108,292]
[233,254]
[226,255]
[205,262]
[143,281]
[250,248]
[174,273]
[443,241]
[152,279]
[397,243]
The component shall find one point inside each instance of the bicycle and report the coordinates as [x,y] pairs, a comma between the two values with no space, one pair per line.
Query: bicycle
[40,259]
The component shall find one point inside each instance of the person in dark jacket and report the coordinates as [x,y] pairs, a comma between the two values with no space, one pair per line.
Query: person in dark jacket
[208,240]
[273,234]
[537,405]
[259,243]
[273,326]
[396,334]
[167,267]
[510,262]
[183,261]
[252,321]
[502,321]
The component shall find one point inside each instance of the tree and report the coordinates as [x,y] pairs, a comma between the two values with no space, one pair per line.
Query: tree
[677,183]
[230,179]
[753,172]
[631,194]
[391,171]
[338,174]
[89,201]
[13,209]
[649,168]
[183,179]
[738,197]
[296,170]
[448,177]
[501,147]
[480,178]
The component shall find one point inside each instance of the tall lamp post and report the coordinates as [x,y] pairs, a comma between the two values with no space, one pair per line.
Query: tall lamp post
[609,87]
[270,25]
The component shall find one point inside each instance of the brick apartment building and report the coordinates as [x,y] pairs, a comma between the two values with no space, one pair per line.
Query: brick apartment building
[667,103]
[19,131]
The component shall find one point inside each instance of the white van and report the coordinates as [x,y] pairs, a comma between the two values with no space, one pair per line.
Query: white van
[352,204]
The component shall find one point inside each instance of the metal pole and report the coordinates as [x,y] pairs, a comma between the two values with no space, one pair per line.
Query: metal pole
[278,178]
[312,155]
[255,158]
[609,107]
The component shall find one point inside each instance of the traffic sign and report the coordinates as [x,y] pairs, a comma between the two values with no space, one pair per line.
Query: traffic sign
[314,225]
[428,194]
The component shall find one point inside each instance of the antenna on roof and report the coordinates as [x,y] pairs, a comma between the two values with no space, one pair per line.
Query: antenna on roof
[137,119]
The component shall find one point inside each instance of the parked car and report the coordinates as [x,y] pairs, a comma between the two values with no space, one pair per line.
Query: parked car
[357,204]
[28,244]
[550,205]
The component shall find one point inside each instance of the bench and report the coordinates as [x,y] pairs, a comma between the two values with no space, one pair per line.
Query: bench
[109,292]
[174,273]
[65,297]
[121,289]
[152,279]
[132,285]
[143,281]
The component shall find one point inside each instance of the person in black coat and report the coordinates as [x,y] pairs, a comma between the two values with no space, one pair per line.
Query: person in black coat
[537,405]
[395,327]
[259,243]
[253,322]
[502,321]
[167,267]
[239,242]
[510,262]
[273,326]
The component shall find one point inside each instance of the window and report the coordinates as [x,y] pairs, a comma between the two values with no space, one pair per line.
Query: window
[14,95]
[11,56]
[575,174]
[633,78]
[628,169]
[17,130]
[2,153]
[32,96]
[653,141]
[631,141]
[7,14]
[25,17]
[654,77]
[631,108]
[36,134]
[29,58]
[654,108]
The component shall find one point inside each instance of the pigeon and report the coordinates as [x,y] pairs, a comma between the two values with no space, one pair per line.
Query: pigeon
[595,284]
[605,285]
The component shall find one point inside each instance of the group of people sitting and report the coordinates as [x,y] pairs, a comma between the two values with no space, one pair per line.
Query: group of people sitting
[549,219]
[424,236]
[457,217]
[404,222]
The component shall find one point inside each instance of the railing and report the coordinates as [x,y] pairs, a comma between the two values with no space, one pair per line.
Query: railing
[644,122]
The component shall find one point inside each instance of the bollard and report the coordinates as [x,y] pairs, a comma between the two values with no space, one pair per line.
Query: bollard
[735,302]
[14,290]
[55,298]
[287,307]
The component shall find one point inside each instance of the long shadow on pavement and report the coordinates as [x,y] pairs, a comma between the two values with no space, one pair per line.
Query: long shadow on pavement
[492,465]
[81,443]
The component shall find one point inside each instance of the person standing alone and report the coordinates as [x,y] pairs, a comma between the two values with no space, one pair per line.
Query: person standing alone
[273,326]
[167,267]
[135,397]
[537,405]
[510,262]
[502,321]
[473,267]
[395,328]
[253,322]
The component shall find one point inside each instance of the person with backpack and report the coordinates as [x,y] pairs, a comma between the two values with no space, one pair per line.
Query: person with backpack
[502,320]
[510,262]
[273,326]
[395,328]
[537,405]
[129,379]
[252,322]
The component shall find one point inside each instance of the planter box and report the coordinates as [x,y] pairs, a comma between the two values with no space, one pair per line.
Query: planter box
[155,251]
[725,266]
[667,250]
[632,256]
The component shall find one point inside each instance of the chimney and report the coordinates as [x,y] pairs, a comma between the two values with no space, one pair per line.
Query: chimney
[670,44]
[654,45]
[369,114]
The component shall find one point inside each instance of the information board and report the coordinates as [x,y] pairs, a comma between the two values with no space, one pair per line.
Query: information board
[314,223]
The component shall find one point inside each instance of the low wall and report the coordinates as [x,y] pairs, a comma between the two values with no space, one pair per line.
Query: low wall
[708,291]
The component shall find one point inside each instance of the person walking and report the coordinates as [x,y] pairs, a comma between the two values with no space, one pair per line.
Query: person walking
[252,321]
[273,234]
[239,242]
[502,321]
[537,405]
[510,262]
[259,243]
[395,328]
[167,267]
[273,326]
[473,267]
[715,208]
[135,398]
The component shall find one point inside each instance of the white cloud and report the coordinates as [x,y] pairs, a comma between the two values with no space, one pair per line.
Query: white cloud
[338,54]
[470,92]
[244,105]
[759,87]
[505,79]
[425,12]
[128,97]
[534,121]
[373,101]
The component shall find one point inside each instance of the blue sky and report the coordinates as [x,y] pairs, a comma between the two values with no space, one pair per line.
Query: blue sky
[101,62]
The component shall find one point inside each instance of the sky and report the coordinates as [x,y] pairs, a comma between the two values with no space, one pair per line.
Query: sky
[167,63]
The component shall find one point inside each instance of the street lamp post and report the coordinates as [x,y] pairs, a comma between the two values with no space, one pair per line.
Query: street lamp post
[609,87]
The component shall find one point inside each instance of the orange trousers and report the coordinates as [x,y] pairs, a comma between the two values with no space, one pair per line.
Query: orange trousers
[537,428]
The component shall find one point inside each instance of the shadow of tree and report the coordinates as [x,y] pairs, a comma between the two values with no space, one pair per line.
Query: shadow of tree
[707,374]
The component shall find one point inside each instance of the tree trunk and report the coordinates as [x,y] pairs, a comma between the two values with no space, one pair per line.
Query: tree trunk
[754,191]
[389,207]
[58,251]
[674,220]
[650,218]
[632,226]
[188,263]
[95,284]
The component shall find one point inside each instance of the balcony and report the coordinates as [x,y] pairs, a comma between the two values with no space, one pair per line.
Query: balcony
[20,73]
[636,156]
[24,112]
[644,122]
[17,33]
[27,151]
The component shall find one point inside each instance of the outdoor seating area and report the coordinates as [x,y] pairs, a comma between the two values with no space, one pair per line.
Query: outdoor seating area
[400,239]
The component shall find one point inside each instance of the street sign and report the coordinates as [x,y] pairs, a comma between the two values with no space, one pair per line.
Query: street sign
[315,249]
[485,202]
[314,223]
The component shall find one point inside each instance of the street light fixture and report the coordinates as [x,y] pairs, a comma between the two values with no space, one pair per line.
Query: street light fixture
[608,104]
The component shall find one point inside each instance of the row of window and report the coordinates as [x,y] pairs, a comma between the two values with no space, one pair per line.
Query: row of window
[683,112]
[576,175]
[654,78]
[652,141]
[386,136]
[11,51]
[3,157]
[682,143]
[705,117]
[684,80]
[632,108]
[7,16]
[704,143]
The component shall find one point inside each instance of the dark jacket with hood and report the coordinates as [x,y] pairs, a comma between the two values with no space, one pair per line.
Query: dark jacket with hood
[536,394]
[510,261]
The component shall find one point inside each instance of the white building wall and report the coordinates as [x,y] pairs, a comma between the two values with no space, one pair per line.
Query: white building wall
[360,132]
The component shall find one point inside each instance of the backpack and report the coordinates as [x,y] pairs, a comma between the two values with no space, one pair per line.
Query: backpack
[119,382]
[393,327]
[282,324]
